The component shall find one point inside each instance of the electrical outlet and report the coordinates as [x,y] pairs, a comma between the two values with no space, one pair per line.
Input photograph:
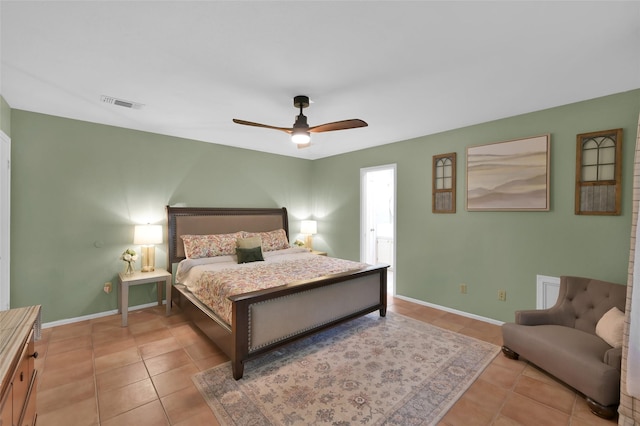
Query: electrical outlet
[107,288]
[502,295]
[463,288]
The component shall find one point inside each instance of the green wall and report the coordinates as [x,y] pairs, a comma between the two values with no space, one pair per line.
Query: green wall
[5,117]
[486,250]
[78,188]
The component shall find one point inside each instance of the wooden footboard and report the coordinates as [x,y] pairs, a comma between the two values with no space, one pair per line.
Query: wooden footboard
[267,319]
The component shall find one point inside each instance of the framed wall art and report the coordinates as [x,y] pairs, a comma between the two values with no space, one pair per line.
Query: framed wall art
[509,176]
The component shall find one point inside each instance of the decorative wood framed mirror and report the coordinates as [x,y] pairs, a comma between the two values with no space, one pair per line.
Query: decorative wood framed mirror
[599,173]
[443,193]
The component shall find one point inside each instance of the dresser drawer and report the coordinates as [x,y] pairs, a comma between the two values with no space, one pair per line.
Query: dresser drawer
[29,415]
[6,408]
[19,379]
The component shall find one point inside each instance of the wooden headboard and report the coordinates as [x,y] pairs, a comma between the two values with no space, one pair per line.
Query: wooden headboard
[211,220]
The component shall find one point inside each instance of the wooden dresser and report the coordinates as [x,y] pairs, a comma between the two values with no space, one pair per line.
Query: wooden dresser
[18,329]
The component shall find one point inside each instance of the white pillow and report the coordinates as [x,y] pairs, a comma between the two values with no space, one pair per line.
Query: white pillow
[610,328]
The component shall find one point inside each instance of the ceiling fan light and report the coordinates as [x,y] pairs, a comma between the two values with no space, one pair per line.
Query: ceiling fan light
[300,137]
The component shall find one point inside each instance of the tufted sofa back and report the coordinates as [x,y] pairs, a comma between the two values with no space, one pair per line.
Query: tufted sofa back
[583,301]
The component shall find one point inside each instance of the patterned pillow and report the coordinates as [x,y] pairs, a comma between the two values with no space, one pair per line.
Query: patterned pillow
[272,240]
[198,246]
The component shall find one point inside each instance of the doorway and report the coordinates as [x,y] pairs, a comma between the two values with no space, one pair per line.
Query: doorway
[378,218]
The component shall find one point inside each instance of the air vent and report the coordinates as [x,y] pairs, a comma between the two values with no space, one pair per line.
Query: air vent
[120,102]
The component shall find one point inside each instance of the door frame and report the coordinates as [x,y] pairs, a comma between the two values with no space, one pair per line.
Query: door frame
[5,220]
[363,210]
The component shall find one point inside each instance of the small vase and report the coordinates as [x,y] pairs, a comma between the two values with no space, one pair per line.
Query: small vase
[128,270]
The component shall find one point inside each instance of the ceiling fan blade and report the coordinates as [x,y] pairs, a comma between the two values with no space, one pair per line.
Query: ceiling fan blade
[338,125]
[266,126]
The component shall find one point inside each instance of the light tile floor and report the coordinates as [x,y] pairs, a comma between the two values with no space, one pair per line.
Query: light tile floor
[99,373]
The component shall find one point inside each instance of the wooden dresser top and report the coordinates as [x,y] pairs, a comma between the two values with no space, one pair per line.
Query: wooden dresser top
[15,326]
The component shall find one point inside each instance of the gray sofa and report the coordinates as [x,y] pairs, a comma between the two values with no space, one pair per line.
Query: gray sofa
[562,340]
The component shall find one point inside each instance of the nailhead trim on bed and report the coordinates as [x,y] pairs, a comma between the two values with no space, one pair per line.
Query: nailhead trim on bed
[333,303]
[253,349]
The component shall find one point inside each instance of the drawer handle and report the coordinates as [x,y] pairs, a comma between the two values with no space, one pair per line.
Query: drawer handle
[35,354]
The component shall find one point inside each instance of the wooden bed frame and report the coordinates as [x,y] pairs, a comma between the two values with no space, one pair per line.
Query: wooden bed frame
[267,319]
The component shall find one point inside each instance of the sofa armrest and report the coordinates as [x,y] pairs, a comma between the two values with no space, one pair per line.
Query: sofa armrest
[613,358]
[538,317]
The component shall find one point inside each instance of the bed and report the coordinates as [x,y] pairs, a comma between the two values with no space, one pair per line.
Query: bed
[257,320]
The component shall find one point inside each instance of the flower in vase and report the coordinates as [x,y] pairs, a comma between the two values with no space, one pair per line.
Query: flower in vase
[130,257]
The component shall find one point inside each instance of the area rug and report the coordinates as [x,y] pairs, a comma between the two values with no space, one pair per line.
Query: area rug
[369,371]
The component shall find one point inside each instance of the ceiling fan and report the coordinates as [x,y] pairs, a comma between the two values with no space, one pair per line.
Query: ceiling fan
[300,132]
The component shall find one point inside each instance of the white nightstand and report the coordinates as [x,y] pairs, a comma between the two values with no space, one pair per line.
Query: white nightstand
[158,276]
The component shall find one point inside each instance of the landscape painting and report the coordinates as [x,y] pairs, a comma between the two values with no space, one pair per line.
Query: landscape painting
[512,175]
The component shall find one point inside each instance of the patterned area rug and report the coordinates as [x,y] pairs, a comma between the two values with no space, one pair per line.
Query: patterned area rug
[370,371]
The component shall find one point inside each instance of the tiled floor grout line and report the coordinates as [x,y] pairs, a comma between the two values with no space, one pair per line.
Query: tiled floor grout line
[513,391]
[164,409]
[573,408]
[95,378]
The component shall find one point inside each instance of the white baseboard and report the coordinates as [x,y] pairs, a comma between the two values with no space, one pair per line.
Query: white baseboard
[148,305]
[453,311]
[97,315]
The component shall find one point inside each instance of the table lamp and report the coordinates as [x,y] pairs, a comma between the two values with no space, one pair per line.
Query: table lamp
[309,227]
[147,236]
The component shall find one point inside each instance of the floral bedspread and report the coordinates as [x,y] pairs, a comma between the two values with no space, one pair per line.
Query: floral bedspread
[214,287]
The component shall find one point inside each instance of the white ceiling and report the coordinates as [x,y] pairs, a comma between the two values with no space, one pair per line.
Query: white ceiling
[407,68]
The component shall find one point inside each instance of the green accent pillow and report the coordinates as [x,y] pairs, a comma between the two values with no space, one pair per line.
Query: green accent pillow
[246,255]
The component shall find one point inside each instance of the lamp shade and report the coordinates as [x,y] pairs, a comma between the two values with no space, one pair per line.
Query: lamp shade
[309,227]
[147,235]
